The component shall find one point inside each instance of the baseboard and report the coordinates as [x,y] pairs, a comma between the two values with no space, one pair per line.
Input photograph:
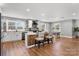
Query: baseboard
[30,46]
[4,41]
[67,36]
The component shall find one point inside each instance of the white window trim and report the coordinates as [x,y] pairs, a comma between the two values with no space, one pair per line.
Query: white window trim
[8,26]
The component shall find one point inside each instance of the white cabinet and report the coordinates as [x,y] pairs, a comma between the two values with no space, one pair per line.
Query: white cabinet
[11,25]
[11,36]
[19,35]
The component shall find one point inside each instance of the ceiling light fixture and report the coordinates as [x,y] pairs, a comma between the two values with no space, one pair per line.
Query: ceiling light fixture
[28,10]
[42,14]
[1,4]
[74,14]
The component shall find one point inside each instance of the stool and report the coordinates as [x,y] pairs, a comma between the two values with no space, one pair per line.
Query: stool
[49,38]
[39,41]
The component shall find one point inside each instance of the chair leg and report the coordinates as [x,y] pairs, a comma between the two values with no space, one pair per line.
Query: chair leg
[48,41]
[43,43]
[35,42]
[38,44]
[51,41]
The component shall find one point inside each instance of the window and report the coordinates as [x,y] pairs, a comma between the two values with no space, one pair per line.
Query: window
[56,27]
[11,26]
[20,25]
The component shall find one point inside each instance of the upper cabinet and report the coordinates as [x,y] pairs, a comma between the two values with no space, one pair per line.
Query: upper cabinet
[15,25]
[11,24]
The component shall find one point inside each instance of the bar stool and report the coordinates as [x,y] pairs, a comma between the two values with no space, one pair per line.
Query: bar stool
[38,41]
[49,38]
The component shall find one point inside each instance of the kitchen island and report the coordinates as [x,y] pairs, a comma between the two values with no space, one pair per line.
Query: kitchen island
[30,39]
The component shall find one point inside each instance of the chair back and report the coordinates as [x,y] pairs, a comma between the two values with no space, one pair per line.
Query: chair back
[41,34]
[46,34]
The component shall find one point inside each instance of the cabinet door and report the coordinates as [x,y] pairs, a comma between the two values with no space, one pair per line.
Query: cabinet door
[18,35]
[11,25]
[31,39]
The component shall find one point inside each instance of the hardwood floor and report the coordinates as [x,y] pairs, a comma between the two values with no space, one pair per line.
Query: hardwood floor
[61,47]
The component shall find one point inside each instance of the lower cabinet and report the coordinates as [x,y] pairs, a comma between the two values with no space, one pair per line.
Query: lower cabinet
[31,39]
[11,36]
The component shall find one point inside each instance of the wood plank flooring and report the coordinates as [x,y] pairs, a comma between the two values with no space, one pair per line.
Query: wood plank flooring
[61,47]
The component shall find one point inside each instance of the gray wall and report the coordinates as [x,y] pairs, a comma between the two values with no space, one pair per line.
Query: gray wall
[66,28]
[77,24]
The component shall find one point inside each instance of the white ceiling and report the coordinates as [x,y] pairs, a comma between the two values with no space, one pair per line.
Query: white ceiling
[41,11]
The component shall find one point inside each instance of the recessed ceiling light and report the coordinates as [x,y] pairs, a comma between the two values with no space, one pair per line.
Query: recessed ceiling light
[1,4]
[42,14]
[28,10]
[56,17]
[74,14]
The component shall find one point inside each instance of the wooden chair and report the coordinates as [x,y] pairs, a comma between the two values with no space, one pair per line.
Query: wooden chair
[48,38]
[39,40]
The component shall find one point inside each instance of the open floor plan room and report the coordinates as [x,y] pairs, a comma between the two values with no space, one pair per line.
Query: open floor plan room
[39,29]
